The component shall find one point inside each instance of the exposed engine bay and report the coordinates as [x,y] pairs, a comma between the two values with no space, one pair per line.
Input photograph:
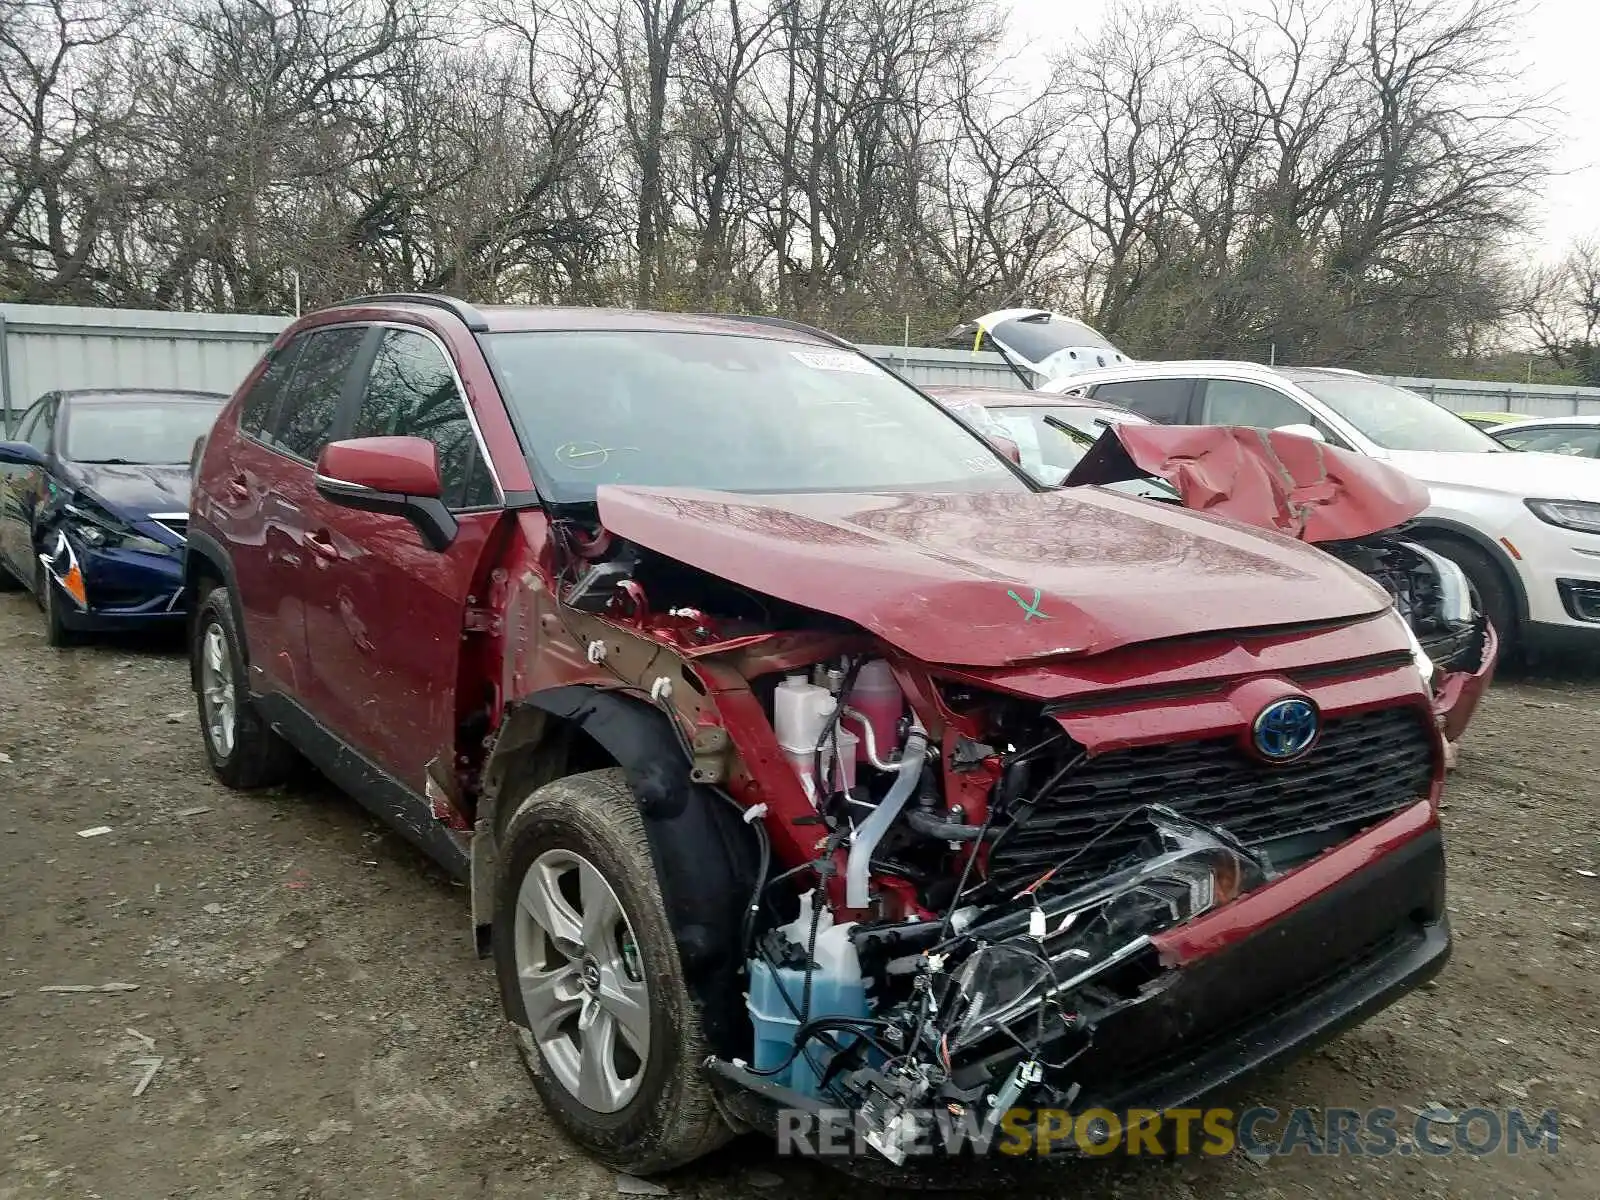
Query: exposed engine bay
[974,900]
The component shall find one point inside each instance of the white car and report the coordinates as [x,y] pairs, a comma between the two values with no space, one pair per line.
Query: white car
[1524,527]
[1578,436]
[1037,344]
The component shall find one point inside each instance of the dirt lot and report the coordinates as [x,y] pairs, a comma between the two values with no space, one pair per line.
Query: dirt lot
[325,1031]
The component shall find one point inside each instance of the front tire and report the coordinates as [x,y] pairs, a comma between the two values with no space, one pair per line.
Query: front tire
[56,632]
[241,748]
[591,981]
[1492,588]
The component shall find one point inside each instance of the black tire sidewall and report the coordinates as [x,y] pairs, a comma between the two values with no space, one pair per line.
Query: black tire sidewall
[56,633]
[1489,584]
[643,1121]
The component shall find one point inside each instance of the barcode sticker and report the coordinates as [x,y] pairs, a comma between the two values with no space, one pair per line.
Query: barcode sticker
[833,360]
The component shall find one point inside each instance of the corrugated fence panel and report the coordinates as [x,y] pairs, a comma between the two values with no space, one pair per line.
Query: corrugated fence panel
[45,348]
[956,368]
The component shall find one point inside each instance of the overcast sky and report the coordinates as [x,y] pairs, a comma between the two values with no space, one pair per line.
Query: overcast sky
[1558,41]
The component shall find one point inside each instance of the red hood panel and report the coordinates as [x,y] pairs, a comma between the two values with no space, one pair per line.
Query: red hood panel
[1293,485]
[993,579]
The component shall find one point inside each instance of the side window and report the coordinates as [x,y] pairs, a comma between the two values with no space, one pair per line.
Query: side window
[1231,402]
[27,424]
[411,392]
[44,427]
[310,402]
[1582,441]
[256,413]
[1163,400]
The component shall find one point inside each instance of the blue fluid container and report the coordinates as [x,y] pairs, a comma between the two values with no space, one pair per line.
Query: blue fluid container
[832,995]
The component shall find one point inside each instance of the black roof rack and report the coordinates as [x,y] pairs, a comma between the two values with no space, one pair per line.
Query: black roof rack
[470,316]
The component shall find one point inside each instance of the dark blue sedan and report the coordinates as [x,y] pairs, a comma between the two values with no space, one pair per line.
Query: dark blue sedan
[94,505]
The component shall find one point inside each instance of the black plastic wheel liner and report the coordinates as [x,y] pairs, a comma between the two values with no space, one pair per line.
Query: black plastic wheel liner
[705,857]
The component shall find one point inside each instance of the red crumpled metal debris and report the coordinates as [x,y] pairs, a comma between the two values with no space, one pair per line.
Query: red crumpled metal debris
[1281,481]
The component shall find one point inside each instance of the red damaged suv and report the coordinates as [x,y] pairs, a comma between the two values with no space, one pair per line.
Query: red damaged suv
[808,759]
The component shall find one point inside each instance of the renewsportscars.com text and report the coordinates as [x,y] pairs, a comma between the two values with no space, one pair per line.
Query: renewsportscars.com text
[1373,1132]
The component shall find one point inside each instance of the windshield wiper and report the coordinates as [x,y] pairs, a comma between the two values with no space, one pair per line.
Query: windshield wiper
[1083,439]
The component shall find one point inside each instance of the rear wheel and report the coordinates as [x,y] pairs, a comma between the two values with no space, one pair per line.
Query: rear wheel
[241,747]
[591,980]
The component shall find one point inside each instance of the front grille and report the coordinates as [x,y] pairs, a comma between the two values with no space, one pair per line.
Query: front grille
[174,524]
[1364,768]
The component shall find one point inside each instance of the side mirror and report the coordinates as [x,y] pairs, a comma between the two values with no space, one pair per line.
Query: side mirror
[1303,430]
[1007,447]
[20,454]
[394,475]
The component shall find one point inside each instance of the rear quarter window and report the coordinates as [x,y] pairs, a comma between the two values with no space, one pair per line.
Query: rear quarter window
[256,413]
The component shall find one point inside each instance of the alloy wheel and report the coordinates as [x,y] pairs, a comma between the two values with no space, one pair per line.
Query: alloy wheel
[216,690]
[582,984]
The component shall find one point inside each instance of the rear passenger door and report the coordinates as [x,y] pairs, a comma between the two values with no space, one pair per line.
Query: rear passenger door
[384,613]
[264,487]
[1165,401]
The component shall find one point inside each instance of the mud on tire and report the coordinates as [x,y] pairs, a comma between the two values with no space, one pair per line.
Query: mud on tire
[671,1118]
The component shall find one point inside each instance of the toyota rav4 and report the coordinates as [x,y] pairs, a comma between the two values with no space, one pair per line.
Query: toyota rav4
[804,755]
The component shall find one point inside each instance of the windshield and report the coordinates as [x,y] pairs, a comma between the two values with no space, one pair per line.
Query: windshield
[1037,338]
[144,432]
[1397,419]
[727,413]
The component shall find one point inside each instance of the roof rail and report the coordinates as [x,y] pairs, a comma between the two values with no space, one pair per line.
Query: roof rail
[786,323]
[470,316]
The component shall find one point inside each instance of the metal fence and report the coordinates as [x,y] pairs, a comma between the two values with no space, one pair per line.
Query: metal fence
[44,348]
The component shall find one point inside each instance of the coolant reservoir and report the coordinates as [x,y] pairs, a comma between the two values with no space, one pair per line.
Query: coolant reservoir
[878,698]
[800,712]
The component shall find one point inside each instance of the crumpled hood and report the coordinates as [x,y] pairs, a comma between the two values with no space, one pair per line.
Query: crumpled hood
[1293,485]
[1518,473]
[133,492]
[992,579]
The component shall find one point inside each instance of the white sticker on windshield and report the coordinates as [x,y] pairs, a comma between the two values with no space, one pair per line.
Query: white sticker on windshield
[834,360]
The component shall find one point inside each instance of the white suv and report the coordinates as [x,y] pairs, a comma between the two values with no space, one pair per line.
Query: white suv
[1524,527]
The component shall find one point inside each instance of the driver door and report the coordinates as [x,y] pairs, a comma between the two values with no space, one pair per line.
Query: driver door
[384,613]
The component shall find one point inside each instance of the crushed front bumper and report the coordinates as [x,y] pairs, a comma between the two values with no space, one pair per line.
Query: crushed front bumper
[1260,981]
[1457,693]
[100,589]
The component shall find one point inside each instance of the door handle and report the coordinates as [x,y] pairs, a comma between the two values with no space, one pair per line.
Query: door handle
[321,544]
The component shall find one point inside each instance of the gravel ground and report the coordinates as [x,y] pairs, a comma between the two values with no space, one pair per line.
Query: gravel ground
[324,1029]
